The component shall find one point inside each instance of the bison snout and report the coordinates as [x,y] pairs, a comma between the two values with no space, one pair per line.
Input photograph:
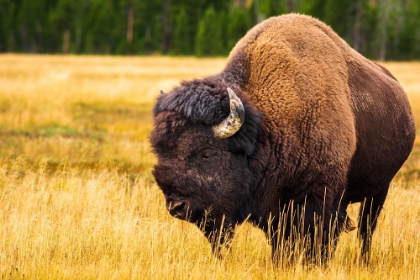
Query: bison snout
[178,209]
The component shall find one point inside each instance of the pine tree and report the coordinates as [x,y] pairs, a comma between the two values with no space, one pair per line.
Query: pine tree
[180,44]
[194,10]
[364,25]
[7,25]
[339,15]
[31,24]
[209,36]
[368,24]
[105,27]
[238,26]
[62,20]
[315,8]
[394,26]
[409,44]
[148,26]
[222,24]
[382,29]
[271,8]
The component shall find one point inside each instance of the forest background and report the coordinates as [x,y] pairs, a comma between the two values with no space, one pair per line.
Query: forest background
[379,29]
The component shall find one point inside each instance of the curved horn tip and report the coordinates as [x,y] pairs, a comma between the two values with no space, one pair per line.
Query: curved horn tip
[161,92]
[231,93]
[234,121]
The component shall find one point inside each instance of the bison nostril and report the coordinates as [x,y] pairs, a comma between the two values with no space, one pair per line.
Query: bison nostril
[178,209]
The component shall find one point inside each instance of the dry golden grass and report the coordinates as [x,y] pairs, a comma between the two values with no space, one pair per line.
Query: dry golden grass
[77,199]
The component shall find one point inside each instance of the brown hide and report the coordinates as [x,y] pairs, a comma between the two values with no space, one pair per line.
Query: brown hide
[326,106]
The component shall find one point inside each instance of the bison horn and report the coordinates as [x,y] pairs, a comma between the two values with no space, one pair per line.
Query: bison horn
[161,92]
[234,121]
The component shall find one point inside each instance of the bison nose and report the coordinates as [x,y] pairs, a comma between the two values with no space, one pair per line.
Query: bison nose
[178,209]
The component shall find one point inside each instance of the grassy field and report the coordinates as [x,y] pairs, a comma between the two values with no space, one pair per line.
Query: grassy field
[77,199]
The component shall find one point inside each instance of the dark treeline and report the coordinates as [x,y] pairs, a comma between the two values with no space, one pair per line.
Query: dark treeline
[379,29]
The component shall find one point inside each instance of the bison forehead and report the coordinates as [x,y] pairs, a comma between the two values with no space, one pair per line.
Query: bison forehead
[167,128]
[171,129]
[205,101]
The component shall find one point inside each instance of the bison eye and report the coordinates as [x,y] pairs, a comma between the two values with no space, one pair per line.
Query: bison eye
[206,154]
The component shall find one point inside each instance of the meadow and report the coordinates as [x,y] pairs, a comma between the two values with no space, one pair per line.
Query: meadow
[78,201]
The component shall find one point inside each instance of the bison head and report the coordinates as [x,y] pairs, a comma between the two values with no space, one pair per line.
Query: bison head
[204,137]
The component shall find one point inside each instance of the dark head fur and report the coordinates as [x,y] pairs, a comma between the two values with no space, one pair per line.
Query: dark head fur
[204,102]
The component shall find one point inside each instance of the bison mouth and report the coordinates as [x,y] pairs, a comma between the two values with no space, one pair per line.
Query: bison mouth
[185,210]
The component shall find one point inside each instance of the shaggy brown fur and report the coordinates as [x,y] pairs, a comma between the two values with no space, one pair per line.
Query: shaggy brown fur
[324,127]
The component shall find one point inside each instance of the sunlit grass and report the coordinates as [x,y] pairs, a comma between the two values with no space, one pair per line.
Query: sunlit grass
[87,110]
[77,199]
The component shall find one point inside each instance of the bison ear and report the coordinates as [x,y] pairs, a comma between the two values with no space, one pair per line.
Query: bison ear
[234,121]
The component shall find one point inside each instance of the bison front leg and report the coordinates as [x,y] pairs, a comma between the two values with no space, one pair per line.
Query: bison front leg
[281,233]
[219,236]
[282,249]
[292,236]
[323,224]
[308,232]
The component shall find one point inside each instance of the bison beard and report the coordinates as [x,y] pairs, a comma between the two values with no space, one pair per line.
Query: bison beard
[294,129]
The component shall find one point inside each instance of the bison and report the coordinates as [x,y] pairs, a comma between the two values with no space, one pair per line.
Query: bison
[296,127]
